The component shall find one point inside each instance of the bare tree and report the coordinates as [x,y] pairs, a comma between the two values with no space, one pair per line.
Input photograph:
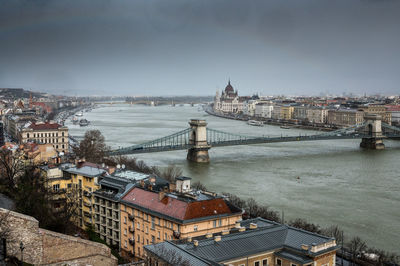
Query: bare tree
[4,224]
[11,168]
[303,224]
[92,147]
[333,231]
[356,247]
[199,186]
[170,173]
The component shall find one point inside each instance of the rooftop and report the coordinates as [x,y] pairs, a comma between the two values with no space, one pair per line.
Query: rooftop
[87,171]
[44,126]
[177,207]
[286,241]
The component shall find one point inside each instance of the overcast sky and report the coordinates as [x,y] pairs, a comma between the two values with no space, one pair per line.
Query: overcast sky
[112,47]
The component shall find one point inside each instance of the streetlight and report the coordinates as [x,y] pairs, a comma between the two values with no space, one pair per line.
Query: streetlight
[21,247]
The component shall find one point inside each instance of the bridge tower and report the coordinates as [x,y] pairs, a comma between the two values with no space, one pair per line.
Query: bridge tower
[373,128]
[198,138]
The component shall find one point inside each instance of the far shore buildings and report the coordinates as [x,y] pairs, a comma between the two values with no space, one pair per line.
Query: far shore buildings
[229,101]
[257,242]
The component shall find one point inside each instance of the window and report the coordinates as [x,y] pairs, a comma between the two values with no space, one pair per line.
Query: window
[56,187]
[138,225]
[124,219]
[278,262]
[264,262]
[219,222]
[195,228]
[138,238]
[215,223]
[158,234]
[153,239]
[125,231]
[294,264]
[165,236]
[257,263]
[126,243]
[153,223]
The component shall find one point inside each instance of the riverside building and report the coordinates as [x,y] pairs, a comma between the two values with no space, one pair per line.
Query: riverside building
[257,242]
[156,212]
[46,132]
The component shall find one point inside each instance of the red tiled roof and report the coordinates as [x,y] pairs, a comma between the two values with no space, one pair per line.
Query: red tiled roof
[176,208]
[44,126]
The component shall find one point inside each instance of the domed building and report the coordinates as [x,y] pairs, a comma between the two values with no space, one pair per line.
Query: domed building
[229,101]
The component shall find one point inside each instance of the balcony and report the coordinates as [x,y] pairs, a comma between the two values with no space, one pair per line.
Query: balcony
[132,242]
[87,194]
[130,217]
[131,229]
[87,204]
[87,214]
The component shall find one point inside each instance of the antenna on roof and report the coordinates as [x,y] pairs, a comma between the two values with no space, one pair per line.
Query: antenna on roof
[118,166]
[123,166]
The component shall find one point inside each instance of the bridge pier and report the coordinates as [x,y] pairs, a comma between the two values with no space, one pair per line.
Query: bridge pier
[198,138]
[373,128]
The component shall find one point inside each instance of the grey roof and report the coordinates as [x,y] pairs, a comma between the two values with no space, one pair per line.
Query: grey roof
[132,175]
[183,178]
[114,187]
[294,257]
[161,249]
[268,236]
[260,222]
[87,171]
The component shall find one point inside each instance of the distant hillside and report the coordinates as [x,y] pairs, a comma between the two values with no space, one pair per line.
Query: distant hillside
[13,93]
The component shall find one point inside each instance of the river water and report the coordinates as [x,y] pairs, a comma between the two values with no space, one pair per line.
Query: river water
[339,183]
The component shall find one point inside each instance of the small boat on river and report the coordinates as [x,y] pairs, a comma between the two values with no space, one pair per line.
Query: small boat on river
[84,122]
[255,123]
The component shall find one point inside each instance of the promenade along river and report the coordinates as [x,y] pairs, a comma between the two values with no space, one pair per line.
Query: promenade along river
[339,183]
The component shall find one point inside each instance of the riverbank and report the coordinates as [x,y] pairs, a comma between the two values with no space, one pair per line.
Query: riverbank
[268,121]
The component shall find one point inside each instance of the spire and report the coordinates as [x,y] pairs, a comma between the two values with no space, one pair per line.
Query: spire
[229,81]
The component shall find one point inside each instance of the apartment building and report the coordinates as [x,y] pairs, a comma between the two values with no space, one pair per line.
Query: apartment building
[257,242]
[107,206]
[151,216]
[379,110]
[300,112]
[286,112]
[46,132]
[346,117]
[317,115]
[81,180]
[263,110]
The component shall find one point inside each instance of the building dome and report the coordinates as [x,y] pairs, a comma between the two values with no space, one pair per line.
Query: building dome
[229,88]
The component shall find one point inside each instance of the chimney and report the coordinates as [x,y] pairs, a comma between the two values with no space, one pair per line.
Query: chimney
[195,243]
[142,183]
[217,238]
[209,235]
[189,239]
[237,225]
[253,226]
[304,247]
[161,195]
[242,229]
[225,232]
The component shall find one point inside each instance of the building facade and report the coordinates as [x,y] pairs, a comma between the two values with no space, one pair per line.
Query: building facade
[317,115]
[379,110]
[345,117]
[229,101]
[47,132]
[264,110]
[149,217]
[255,242]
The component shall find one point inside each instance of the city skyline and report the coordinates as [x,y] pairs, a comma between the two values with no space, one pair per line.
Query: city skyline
[193,48]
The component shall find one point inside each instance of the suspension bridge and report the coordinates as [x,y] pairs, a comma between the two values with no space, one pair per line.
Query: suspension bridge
[198,138]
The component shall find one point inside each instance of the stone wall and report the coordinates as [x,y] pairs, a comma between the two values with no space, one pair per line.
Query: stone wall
[43,247]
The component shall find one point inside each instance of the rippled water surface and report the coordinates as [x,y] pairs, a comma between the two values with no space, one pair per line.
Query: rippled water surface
[339,183]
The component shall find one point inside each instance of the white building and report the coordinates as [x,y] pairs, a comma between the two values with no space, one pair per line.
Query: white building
[264,110]
[229,101]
